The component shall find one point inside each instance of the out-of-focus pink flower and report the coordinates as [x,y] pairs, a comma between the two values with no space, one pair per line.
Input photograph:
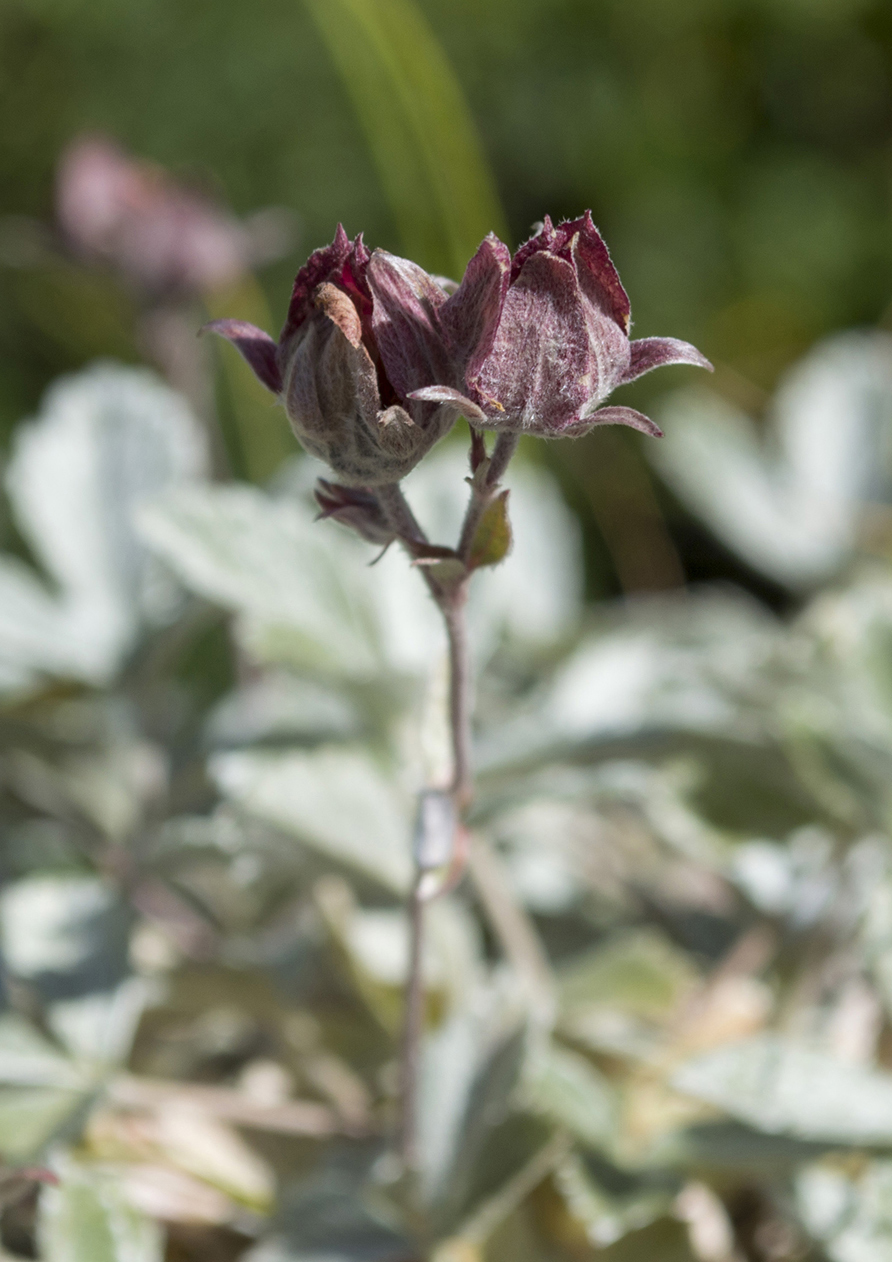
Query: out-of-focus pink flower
[167,239]
[537,342]
[346,376]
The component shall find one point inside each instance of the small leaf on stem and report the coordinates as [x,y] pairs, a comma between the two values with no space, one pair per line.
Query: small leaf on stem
[492,538]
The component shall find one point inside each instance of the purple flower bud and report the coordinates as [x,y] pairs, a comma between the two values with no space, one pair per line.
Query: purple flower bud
[166,239]
[540,341]
[348,401]
[354,507]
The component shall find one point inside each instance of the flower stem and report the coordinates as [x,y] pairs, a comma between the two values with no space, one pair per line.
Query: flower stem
[506,445]
[483,489]
[452,603]
[460,697]
[399,514]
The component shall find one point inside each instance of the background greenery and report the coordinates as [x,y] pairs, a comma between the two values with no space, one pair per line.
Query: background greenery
[736,154]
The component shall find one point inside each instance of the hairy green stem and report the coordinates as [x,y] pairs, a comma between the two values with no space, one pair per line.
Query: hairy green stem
[460,697]
[399,514]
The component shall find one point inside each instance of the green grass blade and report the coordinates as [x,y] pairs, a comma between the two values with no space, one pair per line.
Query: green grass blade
[418,125]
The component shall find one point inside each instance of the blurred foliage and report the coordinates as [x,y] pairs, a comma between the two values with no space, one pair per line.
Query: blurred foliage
[659,1007]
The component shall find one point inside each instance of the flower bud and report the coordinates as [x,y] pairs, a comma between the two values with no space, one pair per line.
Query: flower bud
[357,508]
[344,403]
[167,239]
[541,340]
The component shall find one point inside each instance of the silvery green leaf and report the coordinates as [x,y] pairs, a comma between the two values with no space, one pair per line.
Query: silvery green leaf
[32,1117]
[546,879]
[842,640]
[336,801]
[53,925]
[783,1087]
[683,663]
[29,1059]
[407,627]
[280,708]
[86,1219]
[789,506]
[732,1150]
[851,1215]
[104,439]
[300,587]
[469,1067]
[797,879]
[567,1089]
[606,1217]
[379,941]
[100,1028]
[326,1217]
[638,971]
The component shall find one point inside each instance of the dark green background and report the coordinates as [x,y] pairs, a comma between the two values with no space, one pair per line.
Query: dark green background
[737,155]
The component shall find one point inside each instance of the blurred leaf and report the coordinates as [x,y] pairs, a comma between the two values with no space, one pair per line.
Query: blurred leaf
[666,1239]
[606,1218]
[31,1117]
[790,506]
[850,1216]
[86,1219]
[29,1059]
[682,664]
[569,1090]
[639,972]
[327,1214]
[266,559]
[469,1070]
[417,125]
[101,1027]
[263,433]
[336,801]
[728,1149]
[67,933]
[280,709]
[193,1141]
[779,1086]
[105,439]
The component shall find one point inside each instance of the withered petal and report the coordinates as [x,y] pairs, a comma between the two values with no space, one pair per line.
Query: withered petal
[454,398]
[322,265]
[405,322]
[257,347]
[618,416]
[655,352]
[542,370]
[470,317]
[544,239]
[341,310]
[597,275]
[356,507]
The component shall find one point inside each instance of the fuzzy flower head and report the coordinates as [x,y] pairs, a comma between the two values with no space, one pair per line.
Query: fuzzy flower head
[167,239]
[343,400]
[540,341]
